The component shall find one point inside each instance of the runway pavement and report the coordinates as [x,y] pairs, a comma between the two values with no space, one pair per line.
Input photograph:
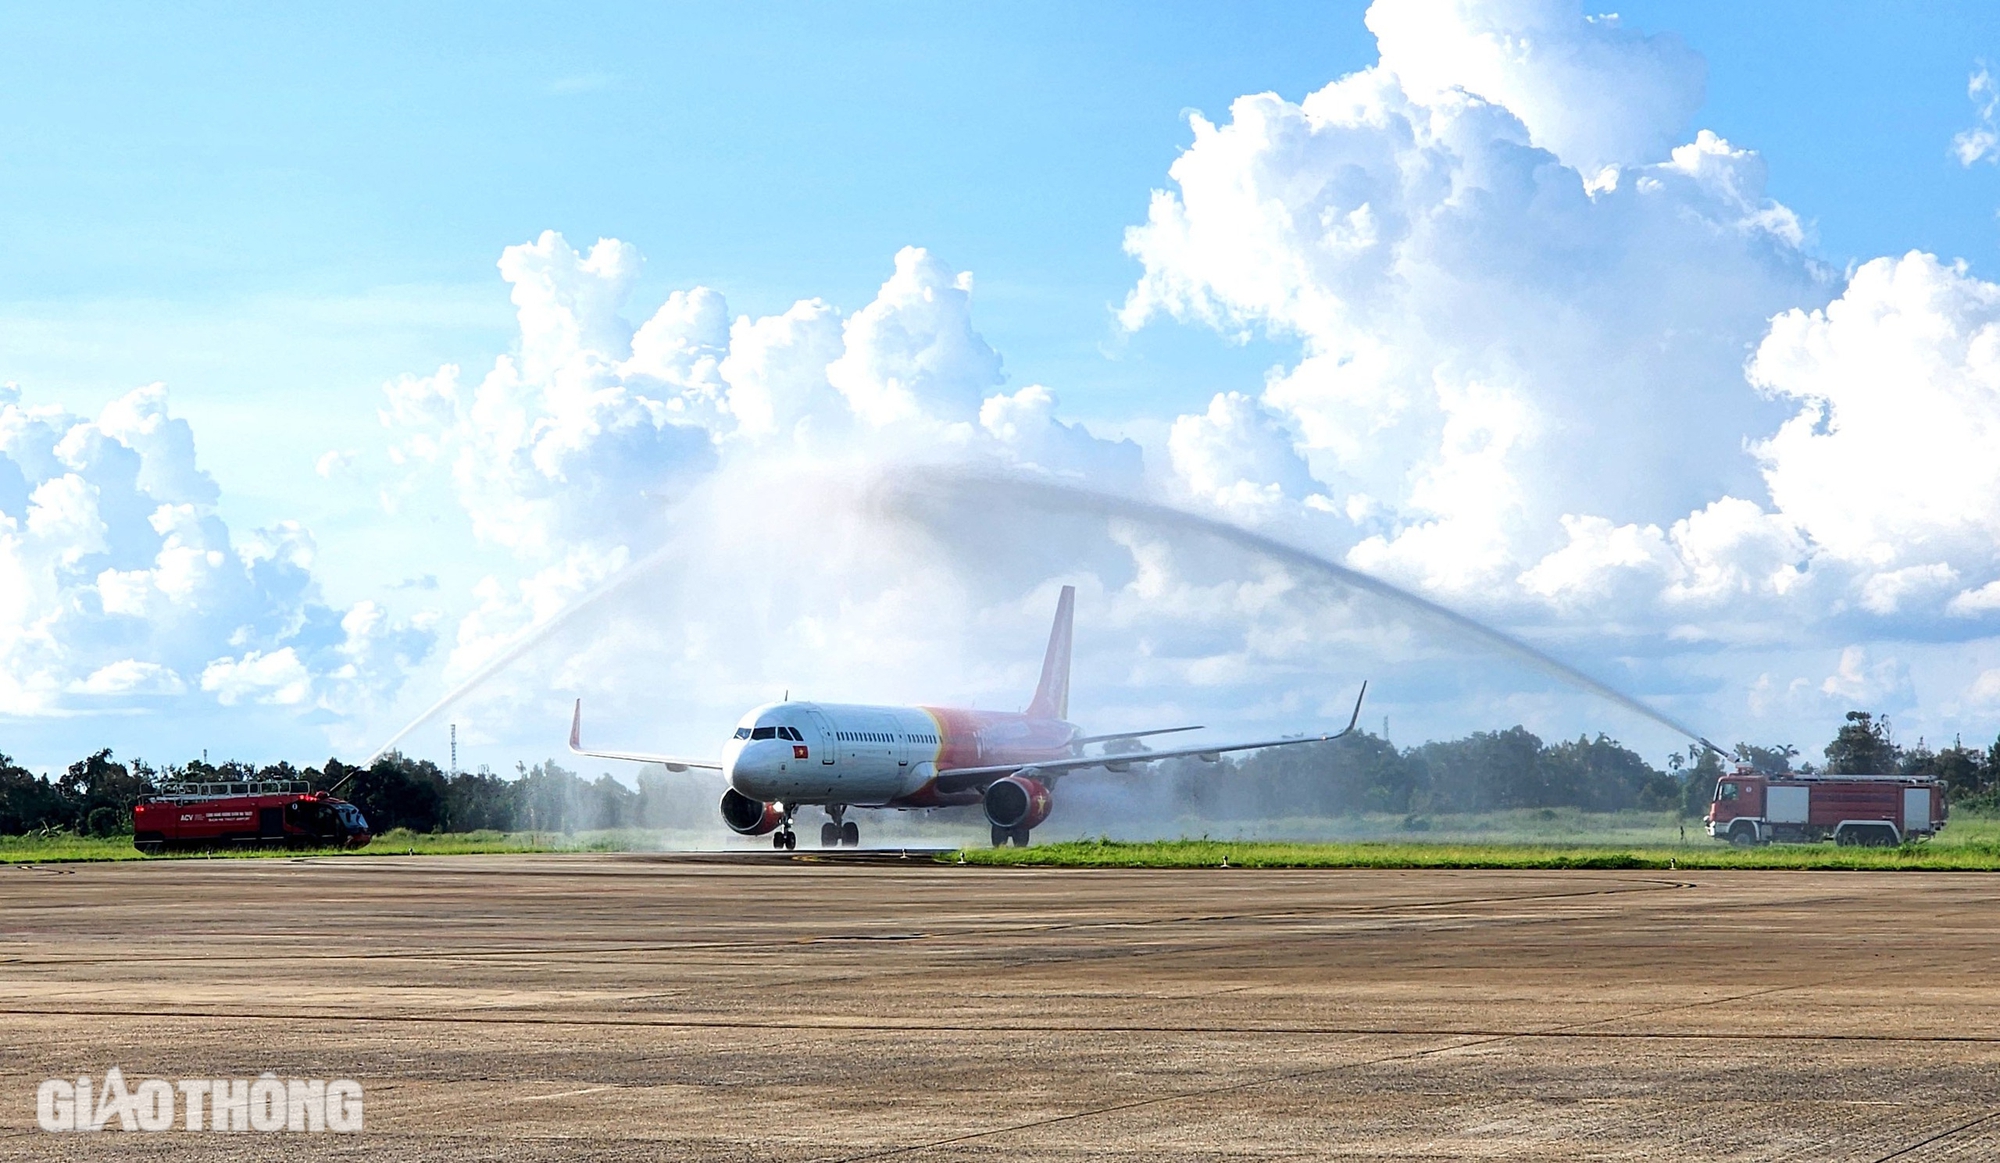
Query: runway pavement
[764,1008]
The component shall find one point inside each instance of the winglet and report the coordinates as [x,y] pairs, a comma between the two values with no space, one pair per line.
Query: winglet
[576,729]
[1350,722]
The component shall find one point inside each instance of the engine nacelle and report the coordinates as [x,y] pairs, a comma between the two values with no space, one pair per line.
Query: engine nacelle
[748,817]
[1018,801]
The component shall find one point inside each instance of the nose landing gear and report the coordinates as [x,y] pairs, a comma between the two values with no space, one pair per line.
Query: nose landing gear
[784,837]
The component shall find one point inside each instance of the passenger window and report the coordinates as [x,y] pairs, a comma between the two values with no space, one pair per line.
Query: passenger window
[764,733]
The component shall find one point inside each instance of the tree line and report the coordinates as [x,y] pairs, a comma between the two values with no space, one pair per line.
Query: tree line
[1496,770]
[1484,771]
[95,795]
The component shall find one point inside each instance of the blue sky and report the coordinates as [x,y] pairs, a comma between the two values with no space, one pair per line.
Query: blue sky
[276,213]
[251,176]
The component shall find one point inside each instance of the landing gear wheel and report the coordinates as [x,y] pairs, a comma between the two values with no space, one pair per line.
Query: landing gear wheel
[829,834]
[791,841]
[850,834]
[1020,837]
[1001,836]
[777,839]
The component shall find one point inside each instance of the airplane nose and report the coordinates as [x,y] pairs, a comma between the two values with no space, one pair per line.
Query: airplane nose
[752,770]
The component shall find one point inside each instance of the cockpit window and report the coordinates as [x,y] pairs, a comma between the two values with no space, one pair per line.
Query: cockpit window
[742,732]
[764,733]
[791,733]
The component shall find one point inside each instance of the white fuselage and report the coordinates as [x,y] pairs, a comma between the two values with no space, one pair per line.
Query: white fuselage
[829,753]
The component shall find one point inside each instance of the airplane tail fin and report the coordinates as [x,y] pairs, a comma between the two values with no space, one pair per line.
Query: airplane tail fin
[1051,699]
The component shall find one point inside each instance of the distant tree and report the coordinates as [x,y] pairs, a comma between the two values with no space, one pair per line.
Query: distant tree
[1698,778]
[479,800]
[1485,770]
[99,784]
[1774,760]
[1863,747]
[396,792]
[1603,775]
[279,771]
[550,797]
[29,802]
[1963,769]
[676,799]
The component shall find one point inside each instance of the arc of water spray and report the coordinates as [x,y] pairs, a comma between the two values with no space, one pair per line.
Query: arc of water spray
[525,641]
[1074,498]
[910,485]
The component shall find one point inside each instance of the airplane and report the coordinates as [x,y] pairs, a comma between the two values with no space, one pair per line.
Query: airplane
[837,756]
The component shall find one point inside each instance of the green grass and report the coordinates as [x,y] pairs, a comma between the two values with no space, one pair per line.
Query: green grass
[65,848]
[1973,848]
[1561,838]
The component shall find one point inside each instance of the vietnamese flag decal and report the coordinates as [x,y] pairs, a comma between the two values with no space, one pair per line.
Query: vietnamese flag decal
[798,751]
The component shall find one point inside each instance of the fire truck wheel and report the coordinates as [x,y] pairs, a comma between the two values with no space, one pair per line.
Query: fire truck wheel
[1742,837]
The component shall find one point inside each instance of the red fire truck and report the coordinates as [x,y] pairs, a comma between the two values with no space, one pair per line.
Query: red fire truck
[210,815]
[1753,807]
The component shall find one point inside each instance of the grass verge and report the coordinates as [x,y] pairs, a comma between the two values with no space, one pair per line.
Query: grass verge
[1940,857]
[63,848]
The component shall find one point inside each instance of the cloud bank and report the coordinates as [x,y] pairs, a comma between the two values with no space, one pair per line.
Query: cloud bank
[121,588]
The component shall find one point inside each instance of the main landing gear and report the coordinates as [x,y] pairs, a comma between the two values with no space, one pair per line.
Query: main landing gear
[1001,837]
[839,833]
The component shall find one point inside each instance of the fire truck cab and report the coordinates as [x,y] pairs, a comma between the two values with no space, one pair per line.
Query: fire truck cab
[1754,807]
[206,815]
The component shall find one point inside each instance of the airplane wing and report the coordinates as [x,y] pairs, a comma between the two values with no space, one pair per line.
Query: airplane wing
[1116,735]
[670,762]
[961,778]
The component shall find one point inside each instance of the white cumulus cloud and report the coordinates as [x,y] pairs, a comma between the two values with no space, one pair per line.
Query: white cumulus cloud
[278,678]
[1493,334]
[1981,141]
[118,576]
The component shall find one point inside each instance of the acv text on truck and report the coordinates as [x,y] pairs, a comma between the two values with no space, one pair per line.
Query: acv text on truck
[1755,807]
[269,813]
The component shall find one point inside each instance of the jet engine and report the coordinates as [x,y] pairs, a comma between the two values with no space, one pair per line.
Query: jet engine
[748,817]
[1018,801]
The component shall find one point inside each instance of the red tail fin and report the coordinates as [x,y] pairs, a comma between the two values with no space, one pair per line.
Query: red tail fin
[1051,699]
